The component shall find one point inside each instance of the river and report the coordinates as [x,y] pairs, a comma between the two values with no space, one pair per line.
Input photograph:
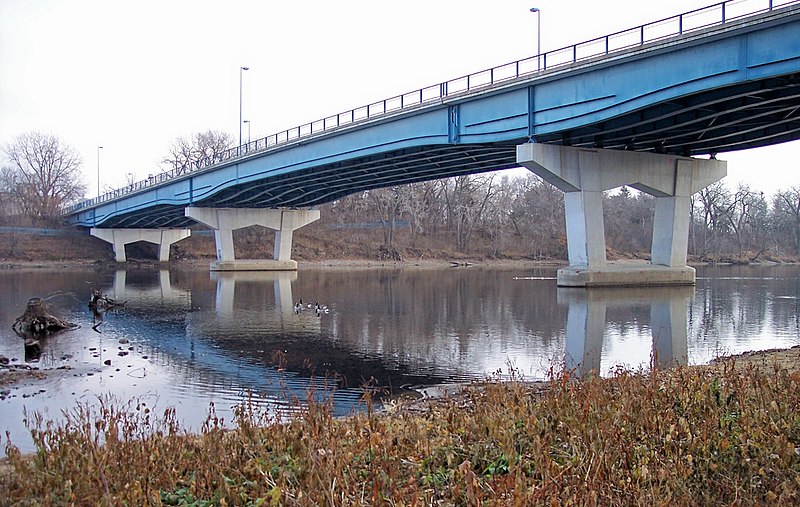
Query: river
[187,338]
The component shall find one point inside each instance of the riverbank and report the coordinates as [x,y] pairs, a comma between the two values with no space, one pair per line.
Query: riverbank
[721,434]
[314,244]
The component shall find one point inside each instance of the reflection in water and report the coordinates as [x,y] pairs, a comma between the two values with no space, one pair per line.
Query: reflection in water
[586,323]
[225,300]
[188,338]
[145,291]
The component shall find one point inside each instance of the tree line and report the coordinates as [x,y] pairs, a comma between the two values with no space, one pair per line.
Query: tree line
[526,214]
[484,213]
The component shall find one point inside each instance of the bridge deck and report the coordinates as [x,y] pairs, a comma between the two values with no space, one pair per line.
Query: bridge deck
[712,80]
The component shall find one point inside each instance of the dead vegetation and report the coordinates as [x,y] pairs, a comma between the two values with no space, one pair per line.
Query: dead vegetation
[689,436]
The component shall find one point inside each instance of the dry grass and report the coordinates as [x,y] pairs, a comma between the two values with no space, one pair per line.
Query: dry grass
[686,436]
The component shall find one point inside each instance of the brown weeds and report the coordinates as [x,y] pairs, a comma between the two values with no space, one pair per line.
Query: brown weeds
[680,437]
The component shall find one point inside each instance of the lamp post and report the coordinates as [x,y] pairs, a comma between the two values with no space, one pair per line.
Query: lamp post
[538,13]
[241,69]
[98,171]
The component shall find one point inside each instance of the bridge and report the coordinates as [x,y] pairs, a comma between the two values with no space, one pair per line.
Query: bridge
[649,107]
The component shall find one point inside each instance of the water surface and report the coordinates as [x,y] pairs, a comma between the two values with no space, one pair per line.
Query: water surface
[189,338]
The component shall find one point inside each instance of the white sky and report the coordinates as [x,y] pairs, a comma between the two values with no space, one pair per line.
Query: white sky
[134,76]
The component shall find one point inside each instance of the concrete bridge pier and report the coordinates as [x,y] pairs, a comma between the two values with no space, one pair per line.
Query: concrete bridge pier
[118,238]
[225,220]
[584,174]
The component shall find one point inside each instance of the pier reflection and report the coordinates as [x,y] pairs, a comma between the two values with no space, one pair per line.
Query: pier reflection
[141,287]
[229,302]
[586,323]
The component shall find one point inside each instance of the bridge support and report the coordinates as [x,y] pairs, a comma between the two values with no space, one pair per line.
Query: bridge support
[118,238]
[584,174]
[226,220]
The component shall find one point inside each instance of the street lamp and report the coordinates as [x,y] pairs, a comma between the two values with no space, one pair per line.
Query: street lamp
[98,171]
[538,13]
[240,107]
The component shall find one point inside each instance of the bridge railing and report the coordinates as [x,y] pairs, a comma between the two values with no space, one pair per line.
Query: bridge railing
[705,17]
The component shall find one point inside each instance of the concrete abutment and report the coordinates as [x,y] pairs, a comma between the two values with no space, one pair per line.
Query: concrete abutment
[583,174]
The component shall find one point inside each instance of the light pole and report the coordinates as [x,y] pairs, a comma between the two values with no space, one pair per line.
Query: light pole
[240,107]
[98,171]
[248,130]
[538,13]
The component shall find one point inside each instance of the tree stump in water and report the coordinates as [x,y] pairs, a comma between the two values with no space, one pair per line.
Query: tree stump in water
[36,321]
[100,302]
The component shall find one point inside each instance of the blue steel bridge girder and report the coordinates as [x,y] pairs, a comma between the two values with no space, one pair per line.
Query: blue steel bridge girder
[722,88]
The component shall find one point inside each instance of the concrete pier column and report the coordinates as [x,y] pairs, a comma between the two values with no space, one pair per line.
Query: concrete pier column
[226,220]
[583,174]
[586,241]
[118,238]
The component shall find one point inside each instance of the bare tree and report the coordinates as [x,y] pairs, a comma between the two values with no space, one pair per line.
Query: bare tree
[786,208]
[628,218]
[496,217]
[537,216]
[421,205]
[466,197]
[200,149]
[387,204]
[746,214]
[712,203]
[44,174]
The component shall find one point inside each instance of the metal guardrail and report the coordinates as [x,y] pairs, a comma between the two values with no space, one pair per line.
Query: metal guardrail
[705,17]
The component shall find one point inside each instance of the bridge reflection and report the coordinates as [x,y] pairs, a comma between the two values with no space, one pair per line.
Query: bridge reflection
[138,287]
[404,328]
[282,318]
[586,323]
[226,288]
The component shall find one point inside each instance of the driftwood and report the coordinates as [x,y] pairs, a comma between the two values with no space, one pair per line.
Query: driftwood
[37,321]
[100,303]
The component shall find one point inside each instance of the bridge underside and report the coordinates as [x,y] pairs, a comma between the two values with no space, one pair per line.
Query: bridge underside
[326,183]
[739,117]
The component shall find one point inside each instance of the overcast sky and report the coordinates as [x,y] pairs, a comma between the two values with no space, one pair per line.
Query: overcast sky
[134,76]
